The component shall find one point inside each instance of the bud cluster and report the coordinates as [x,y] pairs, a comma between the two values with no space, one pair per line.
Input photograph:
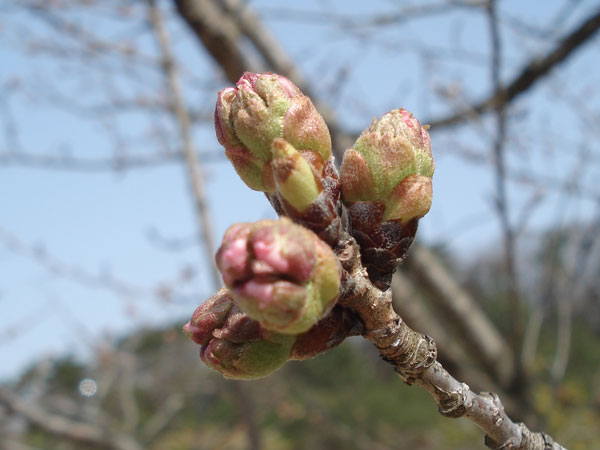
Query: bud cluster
[282,277]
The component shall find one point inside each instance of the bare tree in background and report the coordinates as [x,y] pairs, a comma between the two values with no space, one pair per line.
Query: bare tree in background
[138,69]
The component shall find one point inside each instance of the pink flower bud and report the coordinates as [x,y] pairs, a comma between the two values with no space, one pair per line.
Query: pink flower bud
[233,259]
[208,316]
[234,344]
[281,275]
[261,108]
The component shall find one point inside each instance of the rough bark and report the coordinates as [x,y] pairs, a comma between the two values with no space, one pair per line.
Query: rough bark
[470,323]
[414,357]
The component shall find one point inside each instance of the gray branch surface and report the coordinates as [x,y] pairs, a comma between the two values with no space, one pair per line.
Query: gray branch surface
[414,357]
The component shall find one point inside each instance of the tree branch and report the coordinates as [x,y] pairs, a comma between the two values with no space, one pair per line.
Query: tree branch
[219,36]
[533,72]
[65,427]
[464,315]
[409,305]
[207,22]
[182,117]
[413,356]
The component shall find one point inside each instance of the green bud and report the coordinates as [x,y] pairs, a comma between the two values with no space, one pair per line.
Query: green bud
[248,360]
[411,198]
[390,151]
[293,175]
[260,109]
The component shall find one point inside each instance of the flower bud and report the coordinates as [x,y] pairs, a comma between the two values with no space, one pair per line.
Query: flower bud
[391,164]
[386,186]
[249,165]
[294,177]
[208,316]
[247,361]
[234,344]
[411,198]
[261,108]
[280,274]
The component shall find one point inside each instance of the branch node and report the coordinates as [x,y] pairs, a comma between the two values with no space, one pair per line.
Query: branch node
[453,404]
[419,357]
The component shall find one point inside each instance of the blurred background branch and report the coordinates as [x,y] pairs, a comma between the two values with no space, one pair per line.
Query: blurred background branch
[105,124]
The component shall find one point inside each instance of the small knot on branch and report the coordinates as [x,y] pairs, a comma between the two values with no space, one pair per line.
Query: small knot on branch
[453,403]
[410,358]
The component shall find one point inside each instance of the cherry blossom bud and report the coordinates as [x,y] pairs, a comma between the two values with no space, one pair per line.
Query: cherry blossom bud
[386,185]
[294,177]
[280,274]
[234,344]
[209,315]
[261,108]
[395,149]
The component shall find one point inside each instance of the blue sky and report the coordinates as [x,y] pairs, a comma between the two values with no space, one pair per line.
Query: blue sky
[100,225]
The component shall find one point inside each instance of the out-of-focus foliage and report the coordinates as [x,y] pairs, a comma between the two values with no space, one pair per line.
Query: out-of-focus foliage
[346,398]
[91,156]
